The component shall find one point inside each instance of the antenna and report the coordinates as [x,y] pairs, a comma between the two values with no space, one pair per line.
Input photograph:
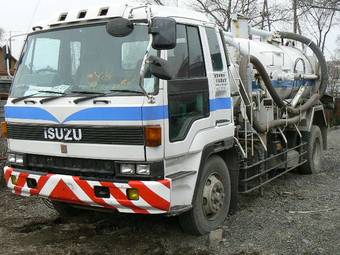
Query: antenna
[32,18]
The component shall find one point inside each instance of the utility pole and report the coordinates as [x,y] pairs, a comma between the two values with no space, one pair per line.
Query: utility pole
[295,16]
[265,15]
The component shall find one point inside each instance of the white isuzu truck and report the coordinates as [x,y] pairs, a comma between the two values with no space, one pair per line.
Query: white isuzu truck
[156,110]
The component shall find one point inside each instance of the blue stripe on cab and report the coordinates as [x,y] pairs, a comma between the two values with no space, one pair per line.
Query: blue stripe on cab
[107,114]
[220,104]
[146,113]
[155,112]
[29,113]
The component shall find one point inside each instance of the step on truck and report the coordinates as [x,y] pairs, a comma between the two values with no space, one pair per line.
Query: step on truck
[157,110]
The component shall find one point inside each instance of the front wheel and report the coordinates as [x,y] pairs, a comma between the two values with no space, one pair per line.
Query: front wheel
[211,200]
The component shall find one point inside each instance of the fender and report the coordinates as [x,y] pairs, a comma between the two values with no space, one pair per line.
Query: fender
[228,152]
[316,116]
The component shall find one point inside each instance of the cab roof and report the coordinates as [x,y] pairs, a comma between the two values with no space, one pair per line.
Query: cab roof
[97,13]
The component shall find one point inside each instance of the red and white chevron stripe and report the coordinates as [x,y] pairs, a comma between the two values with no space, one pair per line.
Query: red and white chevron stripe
[154,195]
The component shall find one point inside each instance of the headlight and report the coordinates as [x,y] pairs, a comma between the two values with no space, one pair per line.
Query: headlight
[15,158]
[134,169]
[11,158]
[19,159]
[127,169]
[143,170]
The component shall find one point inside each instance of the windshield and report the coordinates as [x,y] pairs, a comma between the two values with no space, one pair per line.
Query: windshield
[82,59]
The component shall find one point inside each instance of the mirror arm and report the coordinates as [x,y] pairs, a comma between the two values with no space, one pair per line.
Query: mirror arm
[7,60]
[8,70]
[143,71]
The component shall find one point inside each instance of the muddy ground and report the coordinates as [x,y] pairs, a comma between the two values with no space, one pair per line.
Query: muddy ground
[296,215]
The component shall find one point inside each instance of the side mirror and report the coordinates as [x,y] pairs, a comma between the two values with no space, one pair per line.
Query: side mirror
[164,33]
[119,27]
[7,57]
[159,68]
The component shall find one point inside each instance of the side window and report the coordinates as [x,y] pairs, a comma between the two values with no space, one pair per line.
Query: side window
[187,57]
[215,51]
[196,60]
[188,93]
[179,56]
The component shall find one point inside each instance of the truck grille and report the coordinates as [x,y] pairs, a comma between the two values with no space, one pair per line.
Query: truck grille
[71,166]
[90,135]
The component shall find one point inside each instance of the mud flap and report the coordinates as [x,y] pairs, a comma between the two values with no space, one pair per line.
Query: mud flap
[233,163]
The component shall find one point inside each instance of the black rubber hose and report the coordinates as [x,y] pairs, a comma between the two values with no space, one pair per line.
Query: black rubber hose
[258,126]
[319,55]
[278,101]
[320,89]
[267,81]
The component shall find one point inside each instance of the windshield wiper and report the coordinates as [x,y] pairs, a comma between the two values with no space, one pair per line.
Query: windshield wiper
[17,100]
[45,100]
[86,92]
[94,95]
[91,94]
[127,91]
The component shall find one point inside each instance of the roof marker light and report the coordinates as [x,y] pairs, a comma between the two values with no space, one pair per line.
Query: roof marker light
[103,11]
[63,16]
[82,14]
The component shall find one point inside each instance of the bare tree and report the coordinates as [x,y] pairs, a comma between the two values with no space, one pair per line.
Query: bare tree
[221,11]
[337,50]
[159,2]
[318,22]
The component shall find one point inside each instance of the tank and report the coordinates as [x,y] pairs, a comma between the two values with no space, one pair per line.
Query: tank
[290,69]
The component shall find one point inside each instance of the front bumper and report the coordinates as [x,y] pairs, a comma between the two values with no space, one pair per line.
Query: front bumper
[154,195]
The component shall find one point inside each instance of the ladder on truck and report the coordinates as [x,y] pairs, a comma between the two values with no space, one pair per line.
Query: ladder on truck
[257,166]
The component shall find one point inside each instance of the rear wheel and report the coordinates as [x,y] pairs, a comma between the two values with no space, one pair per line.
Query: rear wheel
[211,200]
[2,179]
[314,151]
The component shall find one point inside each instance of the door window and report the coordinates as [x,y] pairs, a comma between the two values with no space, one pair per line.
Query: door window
[215,51]
[196,60]
[189,92]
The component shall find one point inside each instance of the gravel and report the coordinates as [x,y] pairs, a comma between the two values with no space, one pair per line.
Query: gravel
[295,215]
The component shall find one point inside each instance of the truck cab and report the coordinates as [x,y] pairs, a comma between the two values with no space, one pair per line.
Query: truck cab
[141,109]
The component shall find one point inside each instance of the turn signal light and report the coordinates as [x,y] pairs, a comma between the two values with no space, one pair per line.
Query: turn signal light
[153,136]
[132,194]
[4,129]
[14,180]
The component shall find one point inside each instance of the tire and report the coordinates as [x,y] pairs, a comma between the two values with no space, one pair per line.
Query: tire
[314,151]
[2,179]
[211,200]
[66,210]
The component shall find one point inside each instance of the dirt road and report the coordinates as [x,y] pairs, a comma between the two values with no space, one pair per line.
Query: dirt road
[296,215]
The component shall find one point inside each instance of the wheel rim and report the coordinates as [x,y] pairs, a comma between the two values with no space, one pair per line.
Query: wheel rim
[213,196]
[317,153]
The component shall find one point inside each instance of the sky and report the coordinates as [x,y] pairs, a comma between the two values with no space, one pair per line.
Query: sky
[19,16]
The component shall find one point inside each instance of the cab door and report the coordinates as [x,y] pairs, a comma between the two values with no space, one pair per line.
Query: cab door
[188,94]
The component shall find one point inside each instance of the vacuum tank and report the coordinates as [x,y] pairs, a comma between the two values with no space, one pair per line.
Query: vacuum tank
[287,68]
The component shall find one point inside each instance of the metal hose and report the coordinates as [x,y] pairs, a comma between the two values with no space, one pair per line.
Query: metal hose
[278,101]
[258,126]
